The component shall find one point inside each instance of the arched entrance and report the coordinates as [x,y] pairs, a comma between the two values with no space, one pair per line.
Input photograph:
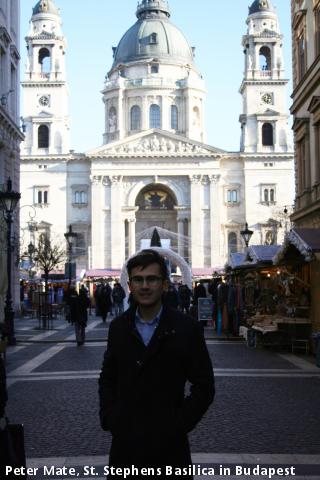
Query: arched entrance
[156,208]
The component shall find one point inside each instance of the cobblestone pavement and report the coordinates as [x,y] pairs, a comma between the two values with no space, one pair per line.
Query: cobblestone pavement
[266,409]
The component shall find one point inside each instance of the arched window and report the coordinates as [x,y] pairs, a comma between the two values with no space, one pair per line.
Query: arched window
[135,118]
[232,242]
[45,60]
[174,117]
[267,134]
[43,136]
[266,195]
[272,195]
[155,116]
[265,58]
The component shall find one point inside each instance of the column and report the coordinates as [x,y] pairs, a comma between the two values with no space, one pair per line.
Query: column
[145,113]
[196,222]
[188,116]
[121,120]
[97,229]
[117,222]
[215,222]
[132,236]
[181,237]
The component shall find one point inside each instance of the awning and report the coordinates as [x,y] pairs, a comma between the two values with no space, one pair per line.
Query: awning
[304,242]
[103,273]
[258,256]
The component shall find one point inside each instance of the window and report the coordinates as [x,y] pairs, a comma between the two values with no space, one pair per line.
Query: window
[153,39]
[155,116]
[45,61]
[317,28]
[265,59]
[232,196]
[174,117]
[301,129]
[232,242]
[135,118]
[80,197]
[43,136]
[267,134]
[301,56]
[41,195]
[268,194]
[155,68]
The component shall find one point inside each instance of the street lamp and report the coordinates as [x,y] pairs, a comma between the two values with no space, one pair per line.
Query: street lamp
[70,236]
[246,234]
[8,202]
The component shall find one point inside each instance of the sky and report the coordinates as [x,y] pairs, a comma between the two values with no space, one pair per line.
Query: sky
[214,27]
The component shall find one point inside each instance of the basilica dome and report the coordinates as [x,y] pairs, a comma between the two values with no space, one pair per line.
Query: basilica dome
[261,6]
[153,35]
[45,6]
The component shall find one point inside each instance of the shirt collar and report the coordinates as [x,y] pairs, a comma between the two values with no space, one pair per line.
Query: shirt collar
[155,320]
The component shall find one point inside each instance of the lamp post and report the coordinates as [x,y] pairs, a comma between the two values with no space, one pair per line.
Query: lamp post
[8,202]
[70,236]
[246,234]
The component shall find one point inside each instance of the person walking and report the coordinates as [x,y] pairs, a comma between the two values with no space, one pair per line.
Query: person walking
[171,297]
[76,315]
[152,352]
[184,295]
[3,423]
[118,296]
[104,301]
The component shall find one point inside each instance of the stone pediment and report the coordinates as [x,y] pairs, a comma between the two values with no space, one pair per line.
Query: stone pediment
[155,143]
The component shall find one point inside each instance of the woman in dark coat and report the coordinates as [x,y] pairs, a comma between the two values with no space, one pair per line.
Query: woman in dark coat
[77,315]
[104,301]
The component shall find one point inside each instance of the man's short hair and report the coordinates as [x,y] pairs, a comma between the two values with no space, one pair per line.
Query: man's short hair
[144,259]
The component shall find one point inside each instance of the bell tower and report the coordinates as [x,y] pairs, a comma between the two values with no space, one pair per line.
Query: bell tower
[264,121]
[45,91]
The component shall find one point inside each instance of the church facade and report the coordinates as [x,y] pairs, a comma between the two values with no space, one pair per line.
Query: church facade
[154,168]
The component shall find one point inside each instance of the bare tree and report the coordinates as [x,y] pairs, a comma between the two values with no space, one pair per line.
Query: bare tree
[48,256]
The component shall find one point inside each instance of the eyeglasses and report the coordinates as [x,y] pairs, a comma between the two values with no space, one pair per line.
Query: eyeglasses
[149,279]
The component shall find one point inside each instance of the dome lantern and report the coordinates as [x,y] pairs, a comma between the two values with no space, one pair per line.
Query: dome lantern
[153,8]
[260,6]
[45,6]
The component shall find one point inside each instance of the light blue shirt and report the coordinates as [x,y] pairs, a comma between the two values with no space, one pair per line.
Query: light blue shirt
[147,329]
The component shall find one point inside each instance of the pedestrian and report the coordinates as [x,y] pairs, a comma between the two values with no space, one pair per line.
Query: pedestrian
[153,351]
[184,294]
[171,297]
[199,292]
[77,315]
[104,301]
[118,296]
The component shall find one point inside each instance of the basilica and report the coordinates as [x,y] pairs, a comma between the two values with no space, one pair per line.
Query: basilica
[154,168]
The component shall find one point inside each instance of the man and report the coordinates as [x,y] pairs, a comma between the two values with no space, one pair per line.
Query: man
[152,352]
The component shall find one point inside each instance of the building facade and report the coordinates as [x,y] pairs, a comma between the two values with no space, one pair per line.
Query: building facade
[10,133]
[305,15]
[154,168]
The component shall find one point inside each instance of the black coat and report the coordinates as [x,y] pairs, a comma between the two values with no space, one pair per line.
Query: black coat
[142,390]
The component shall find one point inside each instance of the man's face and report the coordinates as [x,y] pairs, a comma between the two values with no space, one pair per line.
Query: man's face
[147,285]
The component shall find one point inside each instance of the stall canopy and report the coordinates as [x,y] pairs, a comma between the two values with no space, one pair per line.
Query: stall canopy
[103,273]
[300,245]
[258,256]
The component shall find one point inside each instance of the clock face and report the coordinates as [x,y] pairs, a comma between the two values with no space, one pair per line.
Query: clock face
[267,98]
[44,101]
